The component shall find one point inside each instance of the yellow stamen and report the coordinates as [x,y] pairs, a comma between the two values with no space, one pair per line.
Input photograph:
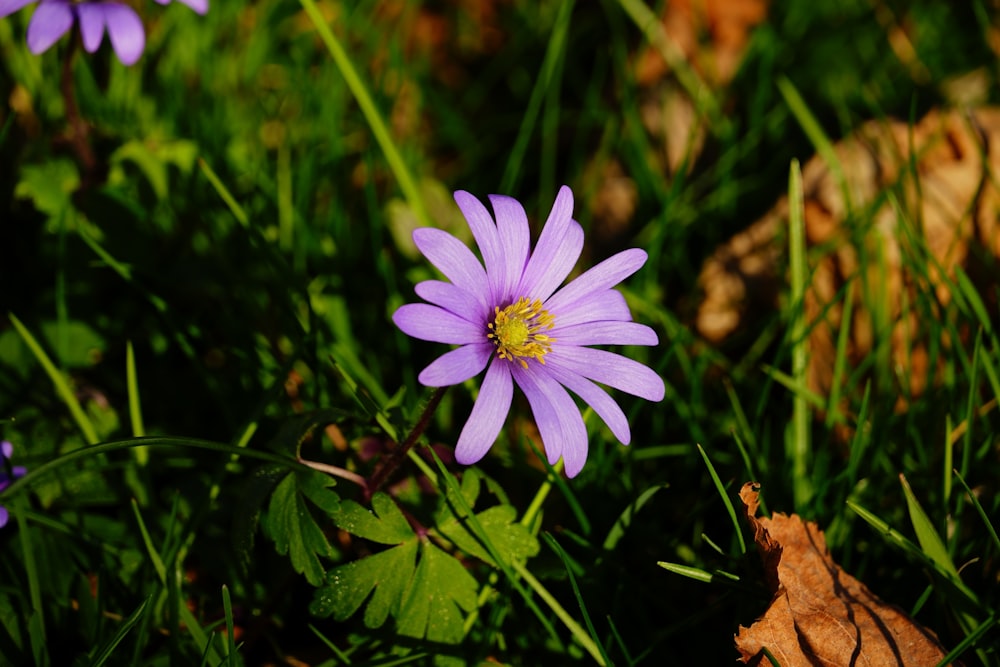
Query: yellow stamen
[516,331]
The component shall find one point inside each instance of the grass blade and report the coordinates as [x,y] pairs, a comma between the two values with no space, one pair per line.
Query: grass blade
[126,626]
[725,499]
[579,596]
[378,127]
[58,381]
[800,446]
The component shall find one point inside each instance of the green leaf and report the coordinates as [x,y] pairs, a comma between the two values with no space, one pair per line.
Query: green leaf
[292,525]
[426,598]
[442,588]
[152,159]
[511,540]
[254,492]
[930,542]
[386,525]
[348,586]
[49,185]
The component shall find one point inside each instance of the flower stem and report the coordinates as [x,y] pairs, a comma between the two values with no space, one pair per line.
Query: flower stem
[79,133]
[543,492]
[335,472]
[396,456]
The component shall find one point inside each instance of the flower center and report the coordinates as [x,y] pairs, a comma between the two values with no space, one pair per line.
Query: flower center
[516,331]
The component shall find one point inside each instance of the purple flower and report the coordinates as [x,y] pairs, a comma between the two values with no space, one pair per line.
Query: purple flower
[511,318]
[53,19]
[200,6]
[6,449]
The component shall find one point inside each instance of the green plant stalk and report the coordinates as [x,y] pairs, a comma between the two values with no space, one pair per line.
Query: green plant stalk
[134,402]
[31,569]
[578,632]
[227,196]
[227,607]
[528,518]
[286,210]
[196,631]
[801,455]
[592,633]
[725,499]
[38,473]
[396,456]
[687,571]
[813,129]
[371,114]
[652,28]
[979,508]
[840,361]
[509,570]
[58,380]
[126,626]
[549,67]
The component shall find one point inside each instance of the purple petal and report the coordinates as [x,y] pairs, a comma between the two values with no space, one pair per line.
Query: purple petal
[605,306]
[557,417]
[92,19]
[608,368]
[8,7]
[454,299]
[487,416]
[515,238]
[605,406]
[50,21]
[4,516]
[607,274]
[124,27]
[128,38]
[7,449]
[454,260]
[605,333]
[200,6]
[484,231]
[457,366]
[556,252]
[432,323]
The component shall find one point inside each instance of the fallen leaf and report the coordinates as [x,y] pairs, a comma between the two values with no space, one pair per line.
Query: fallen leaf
[821,615]
[711,36]
[941,175]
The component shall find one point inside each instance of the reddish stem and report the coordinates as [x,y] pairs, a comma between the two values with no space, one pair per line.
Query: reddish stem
[396,456]
[79,131]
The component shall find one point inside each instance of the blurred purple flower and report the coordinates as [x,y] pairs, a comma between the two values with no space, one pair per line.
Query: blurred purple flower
[53,19]
[200,6]
[6,449]
[510,318]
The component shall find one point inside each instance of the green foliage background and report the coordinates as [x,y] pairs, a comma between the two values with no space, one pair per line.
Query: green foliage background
[219,282]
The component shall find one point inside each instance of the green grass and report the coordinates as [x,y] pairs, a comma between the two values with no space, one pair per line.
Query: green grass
[191,325]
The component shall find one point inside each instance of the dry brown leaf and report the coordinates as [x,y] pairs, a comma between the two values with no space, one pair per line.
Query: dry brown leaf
[712,36]
[820,615]
[951,201]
